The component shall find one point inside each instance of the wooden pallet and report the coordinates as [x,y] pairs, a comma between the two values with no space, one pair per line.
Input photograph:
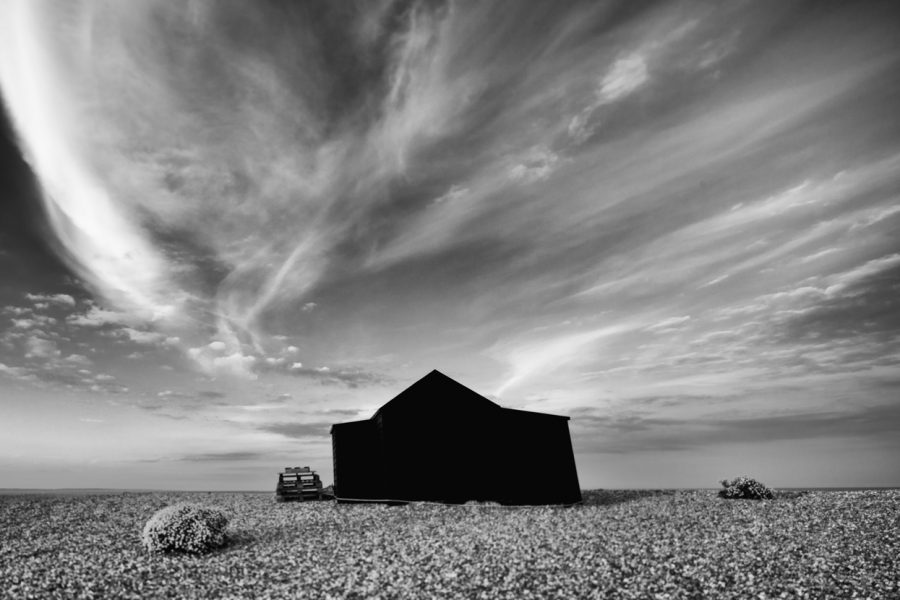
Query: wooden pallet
[298,483]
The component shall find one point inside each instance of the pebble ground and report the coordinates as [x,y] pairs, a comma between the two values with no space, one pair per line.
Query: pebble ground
[620,544]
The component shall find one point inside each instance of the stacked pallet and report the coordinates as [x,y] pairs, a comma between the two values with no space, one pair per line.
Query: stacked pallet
[298,483]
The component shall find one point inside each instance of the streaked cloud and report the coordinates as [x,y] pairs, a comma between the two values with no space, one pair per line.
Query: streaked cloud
[641,434]
[543,356]
[60,299]
[626,75]
[298,430]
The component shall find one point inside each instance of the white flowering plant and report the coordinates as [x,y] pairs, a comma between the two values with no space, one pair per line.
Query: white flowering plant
[185,527]
[745,488]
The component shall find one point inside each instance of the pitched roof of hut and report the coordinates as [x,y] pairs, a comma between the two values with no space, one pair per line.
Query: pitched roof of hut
[449,393]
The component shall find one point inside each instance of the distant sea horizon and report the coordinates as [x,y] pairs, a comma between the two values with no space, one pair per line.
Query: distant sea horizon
[88,491]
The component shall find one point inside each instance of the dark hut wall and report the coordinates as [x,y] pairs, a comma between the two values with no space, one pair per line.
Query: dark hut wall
[358,464]
[440,441]
[445,455]
[538,461]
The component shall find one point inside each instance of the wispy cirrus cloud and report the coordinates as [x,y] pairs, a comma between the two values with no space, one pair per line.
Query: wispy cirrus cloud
[435,76]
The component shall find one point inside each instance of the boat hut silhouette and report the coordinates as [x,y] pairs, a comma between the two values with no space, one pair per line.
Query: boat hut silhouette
[440,441]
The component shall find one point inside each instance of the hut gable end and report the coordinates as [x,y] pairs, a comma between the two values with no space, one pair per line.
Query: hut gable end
[438,440]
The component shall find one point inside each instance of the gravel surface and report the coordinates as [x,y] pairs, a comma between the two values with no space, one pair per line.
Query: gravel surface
[620,544]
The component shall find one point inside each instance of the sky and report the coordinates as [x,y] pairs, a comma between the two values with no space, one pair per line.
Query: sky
[225,226]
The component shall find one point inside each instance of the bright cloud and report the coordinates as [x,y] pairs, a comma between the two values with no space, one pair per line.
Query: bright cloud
[625,76]
[60,299]
[105,244]
[541,357]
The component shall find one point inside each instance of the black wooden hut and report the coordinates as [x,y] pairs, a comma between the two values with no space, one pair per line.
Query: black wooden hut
[440,441]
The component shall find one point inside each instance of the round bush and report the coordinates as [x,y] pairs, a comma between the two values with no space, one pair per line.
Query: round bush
[745,488]
[185,527]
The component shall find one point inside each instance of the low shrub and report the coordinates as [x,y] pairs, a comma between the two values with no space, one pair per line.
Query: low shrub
[745,488]
[185,527]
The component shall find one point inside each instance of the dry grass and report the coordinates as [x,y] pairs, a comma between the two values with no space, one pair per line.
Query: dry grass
[635,544]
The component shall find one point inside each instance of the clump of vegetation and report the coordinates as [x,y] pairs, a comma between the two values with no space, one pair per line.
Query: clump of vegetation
[185,527]
[745,488]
